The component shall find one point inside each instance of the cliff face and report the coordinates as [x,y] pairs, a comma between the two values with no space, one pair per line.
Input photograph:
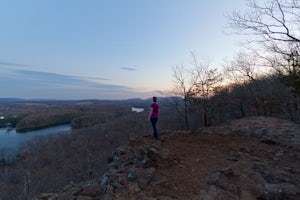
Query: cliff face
[254,158]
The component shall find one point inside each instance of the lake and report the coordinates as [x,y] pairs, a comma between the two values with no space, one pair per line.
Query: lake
[12,139]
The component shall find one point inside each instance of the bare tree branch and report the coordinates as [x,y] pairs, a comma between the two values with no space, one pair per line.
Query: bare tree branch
[275,21]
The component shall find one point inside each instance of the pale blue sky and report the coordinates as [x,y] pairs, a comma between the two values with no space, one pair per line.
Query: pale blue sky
[106,49]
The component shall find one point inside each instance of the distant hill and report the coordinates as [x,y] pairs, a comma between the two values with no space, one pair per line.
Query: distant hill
[161,99]
[11,100]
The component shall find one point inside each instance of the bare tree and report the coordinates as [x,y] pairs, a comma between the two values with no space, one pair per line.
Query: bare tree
[197,87]
[275,24]
[207,84]
[242,71]
[183,85]
[292,78]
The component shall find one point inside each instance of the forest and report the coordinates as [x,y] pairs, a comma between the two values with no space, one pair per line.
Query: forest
[262,80]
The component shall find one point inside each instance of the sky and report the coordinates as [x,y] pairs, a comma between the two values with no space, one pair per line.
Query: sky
[107,49]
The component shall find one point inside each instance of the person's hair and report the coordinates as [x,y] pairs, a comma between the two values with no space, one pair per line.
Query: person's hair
[154,99]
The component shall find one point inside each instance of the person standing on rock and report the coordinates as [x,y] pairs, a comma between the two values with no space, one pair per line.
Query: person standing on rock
[153,116]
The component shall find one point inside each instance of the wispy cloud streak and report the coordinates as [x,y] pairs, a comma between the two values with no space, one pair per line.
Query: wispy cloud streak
[54,76]
[13,64]
[129,68]
[36,84]
[90,78]
[39,73]
[58,78]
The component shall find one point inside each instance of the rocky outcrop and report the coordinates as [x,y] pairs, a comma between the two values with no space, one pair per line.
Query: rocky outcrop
[254,158]
[82,191]
[132,170]
[269,130]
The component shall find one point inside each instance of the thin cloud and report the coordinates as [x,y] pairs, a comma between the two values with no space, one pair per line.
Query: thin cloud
[13,64]
[48,79]
[55,76]
[129,68]
[39,73]
[46,85]
[91,78]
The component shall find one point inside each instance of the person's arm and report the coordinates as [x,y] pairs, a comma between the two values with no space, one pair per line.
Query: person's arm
[150,113]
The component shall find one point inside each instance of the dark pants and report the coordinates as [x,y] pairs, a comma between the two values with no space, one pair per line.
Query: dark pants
[153,122]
